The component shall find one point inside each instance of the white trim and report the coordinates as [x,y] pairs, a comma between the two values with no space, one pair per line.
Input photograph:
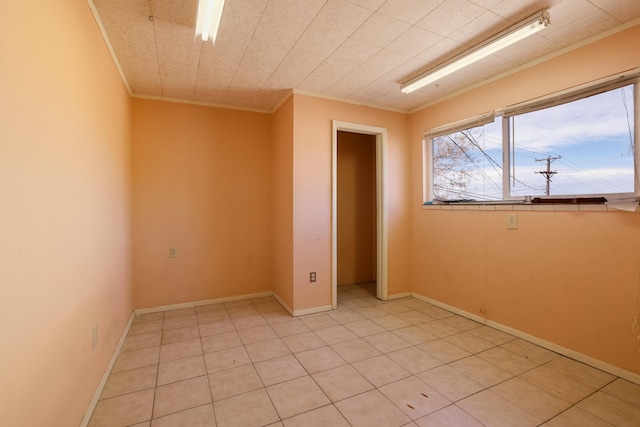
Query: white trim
[552,55]
[507,165]
[489,47]
[107,372]
[96,16]
[614,370]
[279,104]
[190,304]
[567,96]
[201,103]
[400,295]
[382,244]
[427,167]
[636,138]
[530,64]
[510,205]
[303,312]
[283,304]
[450,308]
[574,93]
[312,310]
[382,206]
[348,101]
[460,125]
[334,215]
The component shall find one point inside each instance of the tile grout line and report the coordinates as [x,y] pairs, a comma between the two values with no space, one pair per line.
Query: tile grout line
[213,409]
[586,397]
[256,307]
[264,387]
[155,389]
[454,403]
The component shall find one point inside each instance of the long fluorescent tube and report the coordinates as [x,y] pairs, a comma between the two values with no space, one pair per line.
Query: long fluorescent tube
[208,19]
[512,35]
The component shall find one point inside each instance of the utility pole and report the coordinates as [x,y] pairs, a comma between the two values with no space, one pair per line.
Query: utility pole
[548,173]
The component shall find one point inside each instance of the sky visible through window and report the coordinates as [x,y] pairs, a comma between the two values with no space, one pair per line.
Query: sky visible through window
[589,141]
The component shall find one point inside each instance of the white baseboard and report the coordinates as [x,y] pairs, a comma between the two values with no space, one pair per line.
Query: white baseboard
[297,313]
[283,304]
[614,370]
[450,308]
[312,310]
[400,295]
[107,372]
[105,377]
[190,304]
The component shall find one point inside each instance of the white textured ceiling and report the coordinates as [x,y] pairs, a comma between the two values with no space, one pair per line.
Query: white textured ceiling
[356,50]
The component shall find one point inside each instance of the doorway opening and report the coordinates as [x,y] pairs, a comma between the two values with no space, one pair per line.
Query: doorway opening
[361,219]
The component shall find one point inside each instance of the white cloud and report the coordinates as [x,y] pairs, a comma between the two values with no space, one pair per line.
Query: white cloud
[569,130]
[600,117]
[574,181]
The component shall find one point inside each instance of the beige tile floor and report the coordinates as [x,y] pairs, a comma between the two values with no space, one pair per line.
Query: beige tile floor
[369,363]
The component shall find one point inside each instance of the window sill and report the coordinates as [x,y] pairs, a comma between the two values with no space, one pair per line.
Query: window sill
[531,207]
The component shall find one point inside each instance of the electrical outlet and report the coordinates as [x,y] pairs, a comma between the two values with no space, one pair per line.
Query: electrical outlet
[312,276]
[94,332]
[512,221]
[173,253]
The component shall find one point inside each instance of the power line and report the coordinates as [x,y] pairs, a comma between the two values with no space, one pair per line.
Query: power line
[496,166]
[466,194]
[593,176]
[548,173]
[473,162]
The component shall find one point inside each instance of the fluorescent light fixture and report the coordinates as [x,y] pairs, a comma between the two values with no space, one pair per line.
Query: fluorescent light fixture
[506,38]
[208,19]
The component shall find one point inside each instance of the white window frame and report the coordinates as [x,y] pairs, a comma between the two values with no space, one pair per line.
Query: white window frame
[427,146]
[558,98]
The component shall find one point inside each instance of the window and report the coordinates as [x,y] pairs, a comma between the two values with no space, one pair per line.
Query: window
[467,164]
[579,143]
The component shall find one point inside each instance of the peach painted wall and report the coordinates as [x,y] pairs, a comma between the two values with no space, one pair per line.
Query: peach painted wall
[282,200]
[201,184]
[566,277]
[312,194]
[356,210]
[64,211]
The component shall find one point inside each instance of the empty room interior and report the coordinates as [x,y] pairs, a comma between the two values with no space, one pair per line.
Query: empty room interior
[322,212]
